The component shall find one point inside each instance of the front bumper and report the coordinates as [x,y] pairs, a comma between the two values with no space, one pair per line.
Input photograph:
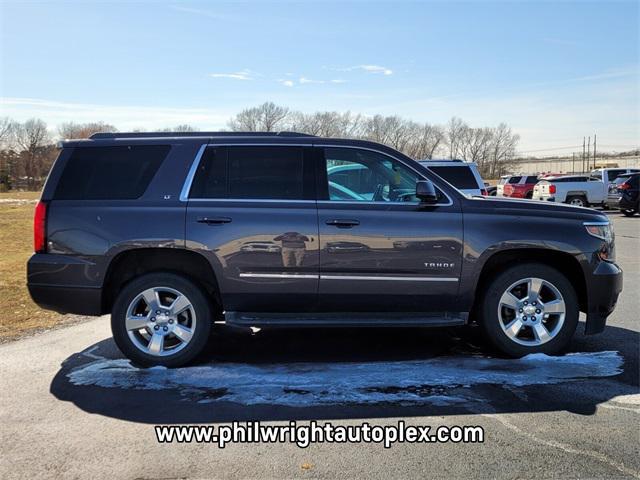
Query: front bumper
[604,285]
[627,204]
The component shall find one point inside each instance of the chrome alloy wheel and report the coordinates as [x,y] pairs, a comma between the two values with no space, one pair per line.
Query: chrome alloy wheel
[531,311]
[160,321]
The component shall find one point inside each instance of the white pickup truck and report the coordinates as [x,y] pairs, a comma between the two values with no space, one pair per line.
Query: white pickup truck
[579,190]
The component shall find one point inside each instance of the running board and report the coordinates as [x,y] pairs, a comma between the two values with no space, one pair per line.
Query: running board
[346,319]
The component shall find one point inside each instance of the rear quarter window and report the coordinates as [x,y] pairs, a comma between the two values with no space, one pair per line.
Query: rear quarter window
[110,173]
[460,177]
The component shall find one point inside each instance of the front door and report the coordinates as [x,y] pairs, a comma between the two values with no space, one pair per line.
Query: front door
[380,250]
[252,213]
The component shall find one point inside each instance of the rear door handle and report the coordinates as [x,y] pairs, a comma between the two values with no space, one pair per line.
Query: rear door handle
[213,220]
[343,223]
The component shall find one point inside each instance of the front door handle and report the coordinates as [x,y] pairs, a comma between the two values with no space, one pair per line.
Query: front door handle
[213,220]
[343,223]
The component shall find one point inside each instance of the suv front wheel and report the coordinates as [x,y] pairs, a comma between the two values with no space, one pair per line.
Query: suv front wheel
[529,308]
[161,319]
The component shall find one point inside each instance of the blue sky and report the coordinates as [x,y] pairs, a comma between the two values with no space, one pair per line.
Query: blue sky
[554,71]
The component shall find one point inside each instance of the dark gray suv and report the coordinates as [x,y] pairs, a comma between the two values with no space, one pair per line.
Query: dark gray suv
[172,232]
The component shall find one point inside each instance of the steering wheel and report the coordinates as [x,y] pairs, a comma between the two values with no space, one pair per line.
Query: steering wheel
[377,194]
[406,197]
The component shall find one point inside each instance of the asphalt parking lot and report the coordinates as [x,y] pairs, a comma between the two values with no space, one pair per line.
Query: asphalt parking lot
[73,407]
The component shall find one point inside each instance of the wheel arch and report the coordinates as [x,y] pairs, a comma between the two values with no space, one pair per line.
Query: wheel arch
[131,264]
[564,262]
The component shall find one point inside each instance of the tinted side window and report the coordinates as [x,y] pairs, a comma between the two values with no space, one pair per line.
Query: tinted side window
[210,180]
[514,180]
[261,173]
[459,177]
[531,180]
[266,173]
[379,177]
[109,173]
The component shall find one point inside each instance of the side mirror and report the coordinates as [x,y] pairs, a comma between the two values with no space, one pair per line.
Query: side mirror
[426,192]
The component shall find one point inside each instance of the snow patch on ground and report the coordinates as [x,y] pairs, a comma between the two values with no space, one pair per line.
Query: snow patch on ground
[304,384]
[17,201]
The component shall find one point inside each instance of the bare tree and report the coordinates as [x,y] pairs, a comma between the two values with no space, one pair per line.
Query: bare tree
[491,148]
[427,139]
[267,117]
[31,137]
[83,130]
[503,149]
[326,124]
[455,130]
[180,128]
[473,143]
[6,130]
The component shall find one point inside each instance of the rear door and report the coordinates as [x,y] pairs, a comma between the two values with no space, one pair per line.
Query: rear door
[384,252]
[252,213]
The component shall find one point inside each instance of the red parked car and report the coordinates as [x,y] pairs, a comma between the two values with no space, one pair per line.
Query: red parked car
[521,189]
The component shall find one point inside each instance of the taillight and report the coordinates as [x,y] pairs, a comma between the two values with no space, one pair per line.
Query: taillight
[552,188]
[484,192]
[624,186]
[40,228]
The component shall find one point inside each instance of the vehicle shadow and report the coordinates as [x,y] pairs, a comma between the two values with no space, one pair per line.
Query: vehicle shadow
[349,373]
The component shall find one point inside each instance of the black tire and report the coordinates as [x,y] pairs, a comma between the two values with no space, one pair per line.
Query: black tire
[529,195]
[580,201]
[200,333]
[629,213]
[489,320]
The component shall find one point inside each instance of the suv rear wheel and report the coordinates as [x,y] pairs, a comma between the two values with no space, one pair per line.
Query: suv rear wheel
[529,308]
[161,319]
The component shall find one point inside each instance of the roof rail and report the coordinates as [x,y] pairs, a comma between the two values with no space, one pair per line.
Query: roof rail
[106,135]
[442,160]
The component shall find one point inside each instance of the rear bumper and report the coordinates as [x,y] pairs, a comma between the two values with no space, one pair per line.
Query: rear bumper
[63,284]
[604,285]
[612,202]
[75,299]
[517,194]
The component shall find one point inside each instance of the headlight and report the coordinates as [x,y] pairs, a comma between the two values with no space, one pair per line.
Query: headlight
[601,230]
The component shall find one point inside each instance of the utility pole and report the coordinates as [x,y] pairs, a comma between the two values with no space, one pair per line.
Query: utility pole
[588,152]
[594,150]
[583,145]
[573,162]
